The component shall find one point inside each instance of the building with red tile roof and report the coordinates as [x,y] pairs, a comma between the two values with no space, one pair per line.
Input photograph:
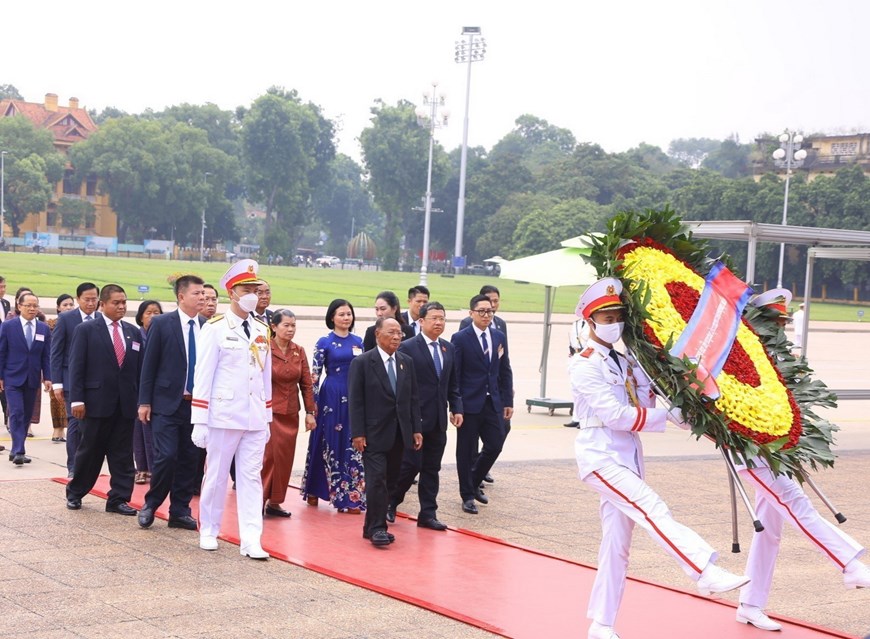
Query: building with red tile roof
[68,125]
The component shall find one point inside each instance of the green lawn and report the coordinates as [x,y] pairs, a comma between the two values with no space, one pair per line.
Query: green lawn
[51,275]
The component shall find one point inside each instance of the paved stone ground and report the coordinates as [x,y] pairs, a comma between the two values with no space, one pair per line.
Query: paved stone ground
[90,574]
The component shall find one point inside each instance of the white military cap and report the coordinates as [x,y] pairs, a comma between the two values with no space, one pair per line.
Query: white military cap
[603,294]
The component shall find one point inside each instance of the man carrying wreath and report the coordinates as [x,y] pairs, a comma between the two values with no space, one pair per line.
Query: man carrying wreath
[779,498]
[613,403]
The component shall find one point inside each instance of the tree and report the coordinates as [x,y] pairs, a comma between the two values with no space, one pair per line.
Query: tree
[33,167]
[543,230]
[286,146]
[731,159]
[396,154]
[161,175]
[8,91]
[498,237]
[691,152]
[75,213]
[343,204]
[107,113]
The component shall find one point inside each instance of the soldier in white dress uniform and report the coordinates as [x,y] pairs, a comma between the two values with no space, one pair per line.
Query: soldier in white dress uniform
[780,499]
[613,402]
[232,409]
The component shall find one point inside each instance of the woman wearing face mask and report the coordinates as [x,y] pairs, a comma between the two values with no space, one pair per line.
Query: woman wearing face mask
[613,403]
[333,469]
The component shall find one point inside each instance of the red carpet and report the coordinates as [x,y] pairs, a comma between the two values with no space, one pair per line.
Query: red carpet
[485,582]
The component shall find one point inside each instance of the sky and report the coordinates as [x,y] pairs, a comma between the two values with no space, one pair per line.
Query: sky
[616,73]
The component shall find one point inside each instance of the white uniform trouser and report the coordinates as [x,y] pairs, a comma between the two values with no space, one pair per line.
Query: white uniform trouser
[627,500]
[780,499]
[247,446]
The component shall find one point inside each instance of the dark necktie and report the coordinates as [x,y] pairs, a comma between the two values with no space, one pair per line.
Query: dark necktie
[247,330]
[118,343]
[391,373]
[615,358]
[28,334]
[485,346]
[191,354]
[437,359]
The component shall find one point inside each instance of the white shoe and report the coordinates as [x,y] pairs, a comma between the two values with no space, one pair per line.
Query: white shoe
[715,580]
[254,551]
[208,542]
[857,577]
[756,617]
[597,631]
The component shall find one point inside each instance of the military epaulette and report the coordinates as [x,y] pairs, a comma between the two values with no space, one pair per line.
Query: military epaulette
[587,352]
[216,318]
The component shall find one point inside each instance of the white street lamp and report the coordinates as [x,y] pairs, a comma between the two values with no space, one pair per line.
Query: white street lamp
[789,155]
[2,193]
[467,51]
[429,115]
[202,231]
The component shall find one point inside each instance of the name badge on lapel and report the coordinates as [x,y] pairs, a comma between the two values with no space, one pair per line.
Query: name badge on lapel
[135,346]
[39,337]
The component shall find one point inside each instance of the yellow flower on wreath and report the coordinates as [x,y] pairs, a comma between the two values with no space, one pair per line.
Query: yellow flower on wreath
[763,409]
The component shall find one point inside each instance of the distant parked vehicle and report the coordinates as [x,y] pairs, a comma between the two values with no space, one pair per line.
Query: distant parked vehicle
[327,261]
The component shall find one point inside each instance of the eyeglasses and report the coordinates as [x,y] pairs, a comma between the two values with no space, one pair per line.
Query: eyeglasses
[29,305]
[485,312]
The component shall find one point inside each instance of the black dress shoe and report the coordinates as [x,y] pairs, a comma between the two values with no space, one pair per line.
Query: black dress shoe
[479,496]
[391,514]
[488,479]
[469,507]
[73,504]
[19,460]
[390,536]
[571,425]
[120,509]
[146,517]
[432,524]
[381,538]
[187,522]
[276,511]
[2,448]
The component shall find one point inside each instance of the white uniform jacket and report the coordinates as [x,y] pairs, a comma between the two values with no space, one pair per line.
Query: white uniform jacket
[232,384]
[608,418]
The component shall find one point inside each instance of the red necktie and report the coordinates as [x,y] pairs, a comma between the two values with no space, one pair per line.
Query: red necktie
[119,344]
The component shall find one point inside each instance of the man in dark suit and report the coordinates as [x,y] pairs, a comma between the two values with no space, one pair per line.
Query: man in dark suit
[494,296]
[87,298]
[264,298]
[384,420]
[104,365]
[165,393]
[438,388]
[25,343]
[486,386]
[417,296]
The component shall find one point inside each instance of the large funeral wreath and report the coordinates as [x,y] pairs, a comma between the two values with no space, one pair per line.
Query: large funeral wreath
[767,396]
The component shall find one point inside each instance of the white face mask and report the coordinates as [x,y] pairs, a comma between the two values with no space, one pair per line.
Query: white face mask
[609,333]
[248,302]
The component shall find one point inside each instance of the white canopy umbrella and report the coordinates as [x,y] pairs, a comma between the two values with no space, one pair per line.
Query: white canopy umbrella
[562,267]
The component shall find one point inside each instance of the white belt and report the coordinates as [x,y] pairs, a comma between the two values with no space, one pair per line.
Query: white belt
[590,422]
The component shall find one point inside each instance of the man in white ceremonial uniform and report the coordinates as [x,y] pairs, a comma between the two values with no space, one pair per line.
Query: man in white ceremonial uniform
[232,409]
[613,403]
[779,499]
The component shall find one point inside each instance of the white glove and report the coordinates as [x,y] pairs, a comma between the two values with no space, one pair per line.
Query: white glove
[199,436]
[675,416]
